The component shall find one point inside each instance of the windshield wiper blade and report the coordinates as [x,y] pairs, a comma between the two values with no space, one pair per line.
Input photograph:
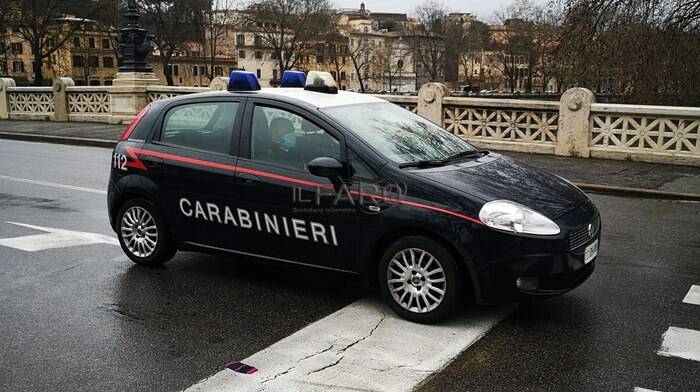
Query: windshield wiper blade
[442,162]
[465,154]
[426,163]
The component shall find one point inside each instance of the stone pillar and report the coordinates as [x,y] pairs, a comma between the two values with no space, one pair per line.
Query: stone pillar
[129,94]
[219,83]
[60,98]
[574,134]
[430,101]
[5,83]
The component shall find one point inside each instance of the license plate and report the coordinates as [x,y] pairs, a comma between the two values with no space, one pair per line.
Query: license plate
[591,252]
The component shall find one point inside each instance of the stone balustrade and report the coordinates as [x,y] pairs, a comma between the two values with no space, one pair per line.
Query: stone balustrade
[574,126]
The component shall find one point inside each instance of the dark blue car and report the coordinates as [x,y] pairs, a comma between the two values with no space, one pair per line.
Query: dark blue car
[346,182]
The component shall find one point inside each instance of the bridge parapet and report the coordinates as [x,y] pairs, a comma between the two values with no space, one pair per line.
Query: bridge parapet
[574,126]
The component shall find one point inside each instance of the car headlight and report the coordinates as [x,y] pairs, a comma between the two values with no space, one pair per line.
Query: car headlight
[511,216]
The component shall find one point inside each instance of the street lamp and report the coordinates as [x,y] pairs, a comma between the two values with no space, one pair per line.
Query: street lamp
[134,42]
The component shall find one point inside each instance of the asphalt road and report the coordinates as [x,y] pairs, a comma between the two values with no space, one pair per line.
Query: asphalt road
[85,318]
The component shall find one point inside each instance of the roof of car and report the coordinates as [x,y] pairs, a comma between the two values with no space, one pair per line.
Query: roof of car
[289,94]
[322,100]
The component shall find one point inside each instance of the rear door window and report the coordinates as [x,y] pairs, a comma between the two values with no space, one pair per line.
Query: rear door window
[206,126]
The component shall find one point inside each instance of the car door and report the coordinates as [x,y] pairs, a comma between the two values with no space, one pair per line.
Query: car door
[195,149]
[296,216]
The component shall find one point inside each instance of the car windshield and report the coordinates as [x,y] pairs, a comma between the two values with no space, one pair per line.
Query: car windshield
[398,134]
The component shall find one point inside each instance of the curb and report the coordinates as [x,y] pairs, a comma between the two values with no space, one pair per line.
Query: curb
[586,186]
[76,141]
[637,192]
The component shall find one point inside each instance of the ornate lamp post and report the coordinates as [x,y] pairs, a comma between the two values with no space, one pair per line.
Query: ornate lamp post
[134,43]
[130,92]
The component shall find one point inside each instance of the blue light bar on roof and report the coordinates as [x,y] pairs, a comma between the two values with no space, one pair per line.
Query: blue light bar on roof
[242,80]
[293,79]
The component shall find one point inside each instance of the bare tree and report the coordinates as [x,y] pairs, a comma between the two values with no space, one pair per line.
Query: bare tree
[337,50]
[514,46]
[642,51]
[40,24]
[173,24]
[217,16]
[428,38]
[360,53]
[286,25]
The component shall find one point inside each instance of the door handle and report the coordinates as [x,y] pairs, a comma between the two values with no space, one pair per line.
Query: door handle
[249,179]
[153,161]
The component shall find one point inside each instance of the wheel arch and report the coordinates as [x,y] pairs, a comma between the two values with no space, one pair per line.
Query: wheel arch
[131,188]
[464,262]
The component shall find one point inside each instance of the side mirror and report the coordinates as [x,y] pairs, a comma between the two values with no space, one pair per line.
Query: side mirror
[327,167]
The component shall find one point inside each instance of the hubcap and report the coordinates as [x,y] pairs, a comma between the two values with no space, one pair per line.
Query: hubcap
[139,231]
[416,280]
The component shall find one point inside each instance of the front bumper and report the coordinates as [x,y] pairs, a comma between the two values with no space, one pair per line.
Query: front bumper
[516,268]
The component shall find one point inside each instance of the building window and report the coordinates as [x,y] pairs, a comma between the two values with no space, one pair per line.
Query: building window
[258,55]
[342,75]
[17,48]
[91,42]
[79,82]
[240,40]
[195,70]
[274,74]
[108,62]
[257,41]
[218,71]
[76,42]
[94,82]
[93,61]
[258,73]
[3,67]
[320,59]
[241,54]
[78,61]
[108,82]
[174,69]
[105,43]
[203,70]
[17,66]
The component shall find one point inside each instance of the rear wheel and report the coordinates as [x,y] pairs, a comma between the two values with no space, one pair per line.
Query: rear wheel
[142,234]
[419,279]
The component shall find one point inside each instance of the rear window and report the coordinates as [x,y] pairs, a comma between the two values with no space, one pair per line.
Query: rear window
[204,126]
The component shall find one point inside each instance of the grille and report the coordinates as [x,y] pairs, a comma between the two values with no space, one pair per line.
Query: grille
[581,234]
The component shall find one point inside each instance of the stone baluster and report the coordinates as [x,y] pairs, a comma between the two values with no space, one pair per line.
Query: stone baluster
[5,83]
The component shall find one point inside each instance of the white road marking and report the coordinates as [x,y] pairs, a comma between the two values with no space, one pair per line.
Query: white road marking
[682,343]
[363,346]
[54,185]
[693,296]
[54,238]
[638,389]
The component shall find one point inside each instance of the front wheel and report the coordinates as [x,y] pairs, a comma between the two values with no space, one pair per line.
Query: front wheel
[142,234]
[419,279]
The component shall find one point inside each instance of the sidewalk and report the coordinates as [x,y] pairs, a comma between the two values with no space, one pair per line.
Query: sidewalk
[592,174]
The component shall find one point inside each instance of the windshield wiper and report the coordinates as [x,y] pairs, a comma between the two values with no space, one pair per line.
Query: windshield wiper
[465,154]
[426,163]
[444,161]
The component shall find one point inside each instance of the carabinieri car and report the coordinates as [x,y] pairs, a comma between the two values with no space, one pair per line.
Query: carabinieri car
[349,182]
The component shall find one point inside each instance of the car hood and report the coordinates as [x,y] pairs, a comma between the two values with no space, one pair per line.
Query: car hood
[496,177]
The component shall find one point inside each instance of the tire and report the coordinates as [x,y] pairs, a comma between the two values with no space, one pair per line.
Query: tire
[414,294]
[137,233]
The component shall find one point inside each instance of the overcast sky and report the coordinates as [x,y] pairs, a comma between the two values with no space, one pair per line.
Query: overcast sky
[484,9]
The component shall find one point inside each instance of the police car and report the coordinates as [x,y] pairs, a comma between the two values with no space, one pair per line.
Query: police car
[308,175]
